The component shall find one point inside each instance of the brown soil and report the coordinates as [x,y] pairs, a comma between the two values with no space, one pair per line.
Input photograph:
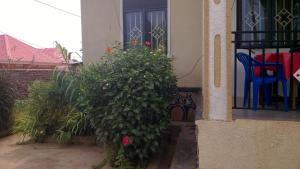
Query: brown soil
[47,155]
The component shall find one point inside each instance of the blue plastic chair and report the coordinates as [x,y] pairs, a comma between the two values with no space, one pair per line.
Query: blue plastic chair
[249,63]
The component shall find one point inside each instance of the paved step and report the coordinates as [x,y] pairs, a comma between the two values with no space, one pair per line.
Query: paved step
[185,156]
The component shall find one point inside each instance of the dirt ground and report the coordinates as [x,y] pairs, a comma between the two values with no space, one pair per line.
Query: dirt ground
[54,156]
[47,155]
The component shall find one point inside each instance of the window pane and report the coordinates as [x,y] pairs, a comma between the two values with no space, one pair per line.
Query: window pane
[157,29]
[256,15]
[134,27]
[296,21]
[146,20]
[296,12]
[268,15]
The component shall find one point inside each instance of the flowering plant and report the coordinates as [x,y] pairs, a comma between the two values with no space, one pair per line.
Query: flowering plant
[147,43]
[125,141]
[131,96]
[108,50]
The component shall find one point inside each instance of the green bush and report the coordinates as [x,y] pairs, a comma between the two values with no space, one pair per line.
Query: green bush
[52,109]
[6,102]
[31,120]
[129,93]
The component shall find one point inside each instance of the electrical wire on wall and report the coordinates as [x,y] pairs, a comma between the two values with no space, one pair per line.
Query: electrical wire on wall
[192,70]
[116,12]
[198,60]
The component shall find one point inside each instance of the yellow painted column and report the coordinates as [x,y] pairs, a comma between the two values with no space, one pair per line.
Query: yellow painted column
[217,53]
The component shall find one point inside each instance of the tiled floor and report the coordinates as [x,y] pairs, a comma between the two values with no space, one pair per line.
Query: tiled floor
[266,115]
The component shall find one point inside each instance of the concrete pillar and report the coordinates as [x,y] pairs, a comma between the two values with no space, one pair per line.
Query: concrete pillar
[217,53]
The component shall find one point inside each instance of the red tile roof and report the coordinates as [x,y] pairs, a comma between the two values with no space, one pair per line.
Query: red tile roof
[17,52]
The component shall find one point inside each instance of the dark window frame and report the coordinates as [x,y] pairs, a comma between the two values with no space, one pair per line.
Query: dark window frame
[144,6]
[270,34]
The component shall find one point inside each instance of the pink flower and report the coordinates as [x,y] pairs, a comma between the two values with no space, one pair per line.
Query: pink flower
[125,141]
[147,43]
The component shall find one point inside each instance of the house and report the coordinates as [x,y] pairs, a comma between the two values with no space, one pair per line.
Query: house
[15,54]
[204,37]
[24,64]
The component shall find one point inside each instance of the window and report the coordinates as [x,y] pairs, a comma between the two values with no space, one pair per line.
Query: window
[268,15]
[146,21]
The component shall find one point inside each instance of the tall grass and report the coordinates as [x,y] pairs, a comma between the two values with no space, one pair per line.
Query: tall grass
[53,109]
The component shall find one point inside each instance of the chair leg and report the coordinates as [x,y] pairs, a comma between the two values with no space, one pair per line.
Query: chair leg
[295,83]
[284,89]
[255,95]
[246,91]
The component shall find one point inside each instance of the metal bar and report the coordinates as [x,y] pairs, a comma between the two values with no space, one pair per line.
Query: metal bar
[271,31]
[263,41]
[235,73]
[277,75]
[258,108]
[270,43]
[291,75]
[259,47]
[264,74]
[249,89]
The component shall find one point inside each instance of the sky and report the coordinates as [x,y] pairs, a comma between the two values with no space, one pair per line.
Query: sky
[40,25]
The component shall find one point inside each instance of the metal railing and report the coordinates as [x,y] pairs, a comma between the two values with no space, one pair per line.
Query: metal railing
[262,43]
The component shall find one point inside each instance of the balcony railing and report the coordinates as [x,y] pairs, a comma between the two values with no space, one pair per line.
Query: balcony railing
[282,49]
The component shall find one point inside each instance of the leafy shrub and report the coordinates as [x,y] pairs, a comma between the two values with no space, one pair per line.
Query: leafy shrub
[129,93]
[52,110]
[32,121]
[6,102]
